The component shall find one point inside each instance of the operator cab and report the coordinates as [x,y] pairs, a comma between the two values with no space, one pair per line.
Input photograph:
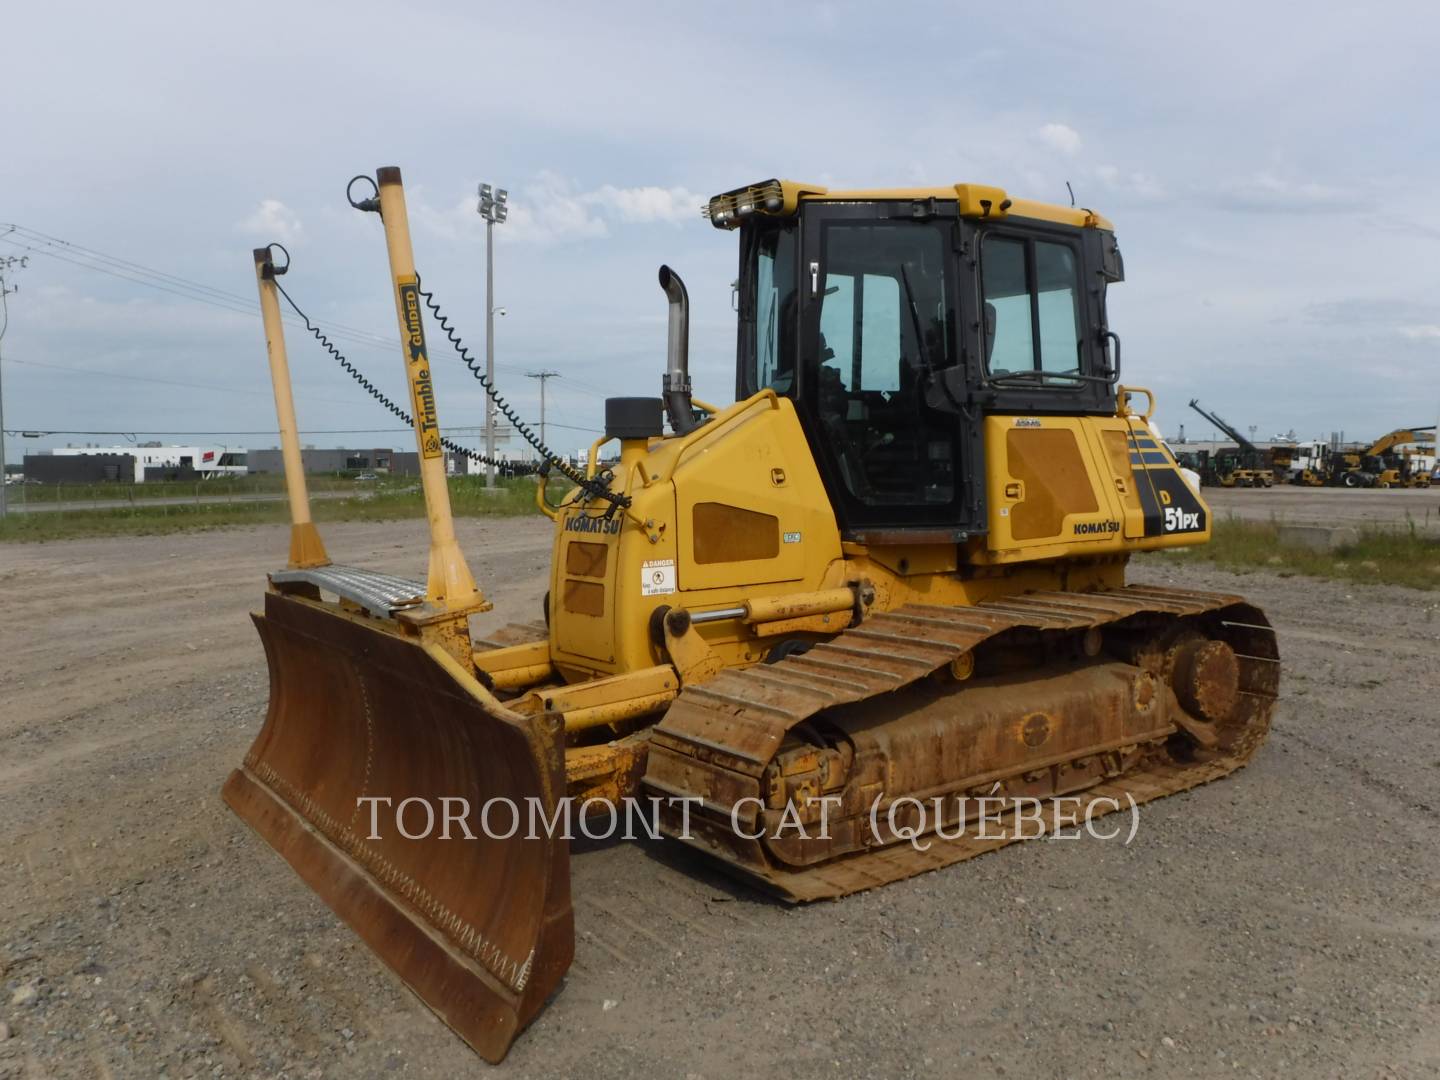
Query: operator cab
[895,320]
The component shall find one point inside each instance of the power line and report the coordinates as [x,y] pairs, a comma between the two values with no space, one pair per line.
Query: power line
[127,269]
[354,339]
[41,432]
[35,433]
[39,243]
[162,382]
[7,265]
[211,386]
[67,251]
[544,377]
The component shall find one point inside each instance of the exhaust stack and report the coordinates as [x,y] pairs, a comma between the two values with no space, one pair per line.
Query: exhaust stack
[676,387]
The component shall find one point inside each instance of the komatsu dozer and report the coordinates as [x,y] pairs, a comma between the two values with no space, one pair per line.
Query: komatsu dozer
[889,578]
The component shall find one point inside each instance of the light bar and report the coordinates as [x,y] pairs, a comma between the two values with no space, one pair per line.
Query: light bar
[765,197]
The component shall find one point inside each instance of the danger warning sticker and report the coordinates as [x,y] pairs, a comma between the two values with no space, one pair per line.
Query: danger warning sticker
[657,577]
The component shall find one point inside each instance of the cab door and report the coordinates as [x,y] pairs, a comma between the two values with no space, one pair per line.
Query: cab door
[879,330]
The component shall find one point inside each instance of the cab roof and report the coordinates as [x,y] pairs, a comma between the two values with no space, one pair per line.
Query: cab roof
[782,198]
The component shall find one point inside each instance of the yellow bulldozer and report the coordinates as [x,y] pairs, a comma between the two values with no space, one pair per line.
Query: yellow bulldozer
[884,585]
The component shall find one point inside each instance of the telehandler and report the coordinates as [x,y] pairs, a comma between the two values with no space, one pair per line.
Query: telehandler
[890,575]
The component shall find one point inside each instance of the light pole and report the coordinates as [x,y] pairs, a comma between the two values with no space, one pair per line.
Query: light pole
[544,377]
[9,264]
[494,209]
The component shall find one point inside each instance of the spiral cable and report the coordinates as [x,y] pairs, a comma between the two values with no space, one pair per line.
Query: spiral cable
[518,469]
[592,486]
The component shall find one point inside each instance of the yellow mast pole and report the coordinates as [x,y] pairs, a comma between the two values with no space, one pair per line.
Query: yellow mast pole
[306,549]
[449,584]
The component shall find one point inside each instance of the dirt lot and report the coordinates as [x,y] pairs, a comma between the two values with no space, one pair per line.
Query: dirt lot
[1283,922]
[1331,506]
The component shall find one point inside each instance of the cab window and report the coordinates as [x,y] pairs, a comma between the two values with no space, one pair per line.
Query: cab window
[767,312]
[1031,293]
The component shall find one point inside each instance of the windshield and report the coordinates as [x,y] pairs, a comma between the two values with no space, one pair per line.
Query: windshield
[767,312]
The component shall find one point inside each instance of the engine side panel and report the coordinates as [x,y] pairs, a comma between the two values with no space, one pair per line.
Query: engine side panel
[1065,486]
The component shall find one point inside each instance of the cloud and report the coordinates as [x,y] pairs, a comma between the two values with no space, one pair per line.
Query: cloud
[1386,311]
[1141,184]
[647,204]
[1060,137]
[549,210]
[552,209]
[1427,332]
[272,220]
[1269,191]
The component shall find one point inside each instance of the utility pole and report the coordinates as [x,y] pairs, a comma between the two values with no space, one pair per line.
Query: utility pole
[8,264]
[494,208]
[543,376]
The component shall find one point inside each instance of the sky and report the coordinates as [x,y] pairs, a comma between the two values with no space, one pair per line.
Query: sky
[1271,170]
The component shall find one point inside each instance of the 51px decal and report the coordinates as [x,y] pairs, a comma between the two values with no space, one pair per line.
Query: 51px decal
[1177,520]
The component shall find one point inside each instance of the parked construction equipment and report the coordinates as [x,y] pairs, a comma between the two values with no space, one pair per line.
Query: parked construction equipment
[892,571]
[1384,463]
[1246,466]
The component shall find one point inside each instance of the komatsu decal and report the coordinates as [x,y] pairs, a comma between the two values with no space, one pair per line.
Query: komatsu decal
[586,523]
[1095,528]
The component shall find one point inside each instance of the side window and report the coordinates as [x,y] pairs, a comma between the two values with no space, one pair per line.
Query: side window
[837,328]
[1009,345]
[876,364]
[1059,307]
[771,361]
[1032,306]
[880,334]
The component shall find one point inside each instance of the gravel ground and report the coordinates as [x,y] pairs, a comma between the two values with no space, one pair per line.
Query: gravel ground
[1283,922]
[1287,504]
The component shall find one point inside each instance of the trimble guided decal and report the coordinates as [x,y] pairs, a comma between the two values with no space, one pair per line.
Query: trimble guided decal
[422,394]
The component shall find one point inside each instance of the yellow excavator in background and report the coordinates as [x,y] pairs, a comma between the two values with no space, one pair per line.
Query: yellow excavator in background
[890,575]
[1383,463]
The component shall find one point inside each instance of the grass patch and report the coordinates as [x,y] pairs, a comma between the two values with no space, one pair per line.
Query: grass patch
[227,487]
[1403,555]
[388,499]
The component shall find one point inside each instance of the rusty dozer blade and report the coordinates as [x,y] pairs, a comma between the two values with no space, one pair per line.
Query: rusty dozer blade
[481,929]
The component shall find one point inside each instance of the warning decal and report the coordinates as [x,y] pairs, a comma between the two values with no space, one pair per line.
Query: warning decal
[657,577]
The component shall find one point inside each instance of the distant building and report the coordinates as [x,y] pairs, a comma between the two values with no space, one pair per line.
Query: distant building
[380,460]
[133,464]
[80,468]
[407,463]
[325,460]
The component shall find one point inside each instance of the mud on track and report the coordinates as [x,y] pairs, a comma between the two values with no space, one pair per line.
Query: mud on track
[1283,922]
